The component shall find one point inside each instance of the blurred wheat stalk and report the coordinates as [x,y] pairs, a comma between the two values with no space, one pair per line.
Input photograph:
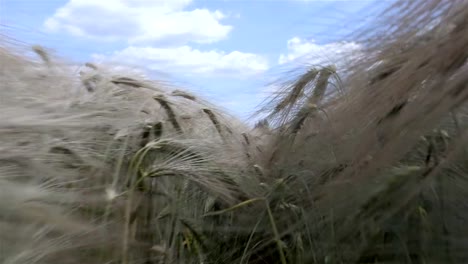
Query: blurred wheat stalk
[371,167]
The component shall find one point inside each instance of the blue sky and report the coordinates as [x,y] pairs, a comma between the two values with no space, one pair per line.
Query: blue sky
[226,50]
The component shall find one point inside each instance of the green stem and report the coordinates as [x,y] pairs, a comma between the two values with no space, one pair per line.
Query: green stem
[276,234]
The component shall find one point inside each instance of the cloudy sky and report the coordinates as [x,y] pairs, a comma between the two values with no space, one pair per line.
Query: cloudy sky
[226,50]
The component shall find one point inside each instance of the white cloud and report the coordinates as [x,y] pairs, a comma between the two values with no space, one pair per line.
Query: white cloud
[186,60]
[139,21]
[303,51]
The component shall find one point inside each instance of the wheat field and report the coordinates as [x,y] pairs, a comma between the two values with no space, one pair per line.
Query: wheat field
[103,166]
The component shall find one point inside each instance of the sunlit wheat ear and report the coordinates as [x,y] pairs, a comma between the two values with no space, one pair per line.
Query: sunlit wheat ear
[90,81]
[291,103]
[91,66]
[127,81]
[246,139]
[305,112]
[310,107]
[180,160]
[262,124]
[184,95]
[169,111]
[322,84]
[214,120]
[42,53]
[151,132]
[297,91]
